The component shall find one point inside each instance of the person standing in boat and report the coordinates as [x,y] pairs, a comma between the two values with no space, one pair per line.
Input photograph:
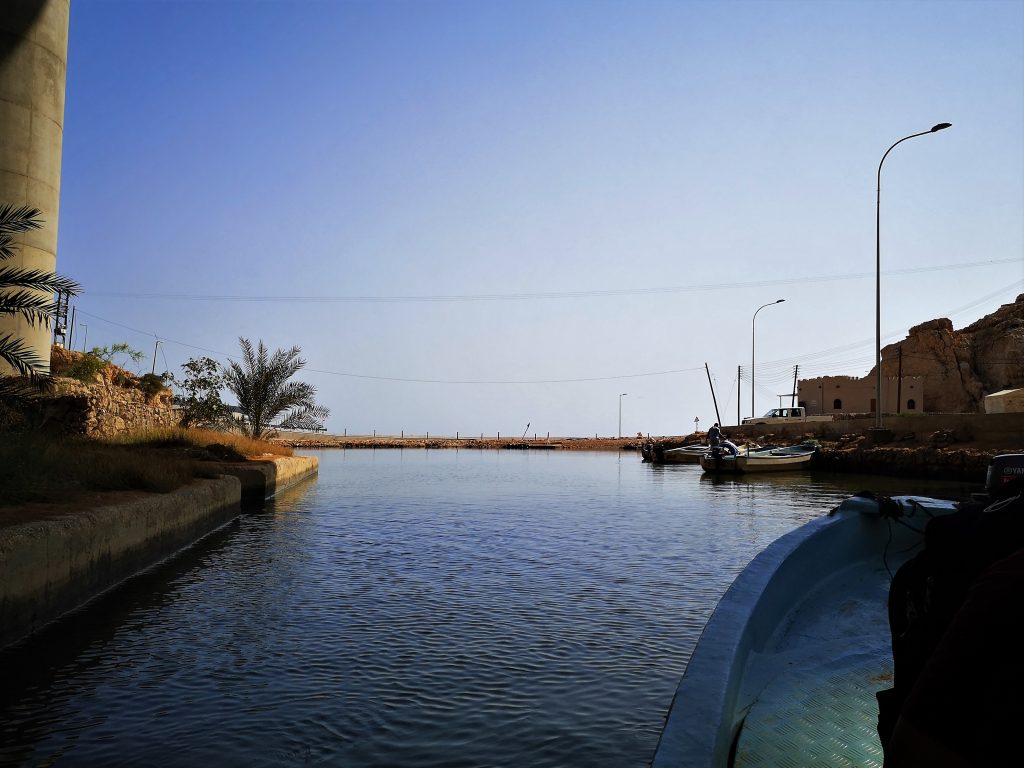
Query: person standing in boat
[714,435]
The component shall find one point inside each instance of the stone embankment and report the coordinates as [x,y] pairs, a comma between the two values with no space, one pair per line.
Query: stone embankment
[110,403]
[947,454]
[934,462]
[53,566]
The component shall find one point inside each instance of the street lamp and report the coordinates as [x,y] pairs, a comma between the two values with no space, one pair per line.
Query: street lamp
[878,272]
[769,304]
[85,337]
[620,412]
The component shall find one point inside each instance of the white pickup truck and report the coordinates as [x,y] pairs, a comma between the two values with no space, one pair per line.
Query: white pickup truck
[793,415]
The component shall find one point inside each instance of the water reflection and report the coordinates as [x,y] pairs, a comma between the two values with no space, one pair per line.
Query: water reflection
[410,608]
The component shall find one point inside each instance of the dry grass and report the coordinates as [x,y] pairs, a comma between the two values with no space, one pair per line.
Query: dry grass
[37,469]
[179,437]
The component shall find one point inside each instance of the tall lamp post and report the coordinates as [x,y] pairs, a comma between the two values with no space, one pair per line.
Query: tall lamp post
[620,411]
[769,304]
[878,271]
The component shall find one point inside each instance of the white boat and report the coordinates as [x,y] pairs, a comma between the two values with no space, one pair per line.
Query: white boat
[786,670]
[761,460]
[686,454]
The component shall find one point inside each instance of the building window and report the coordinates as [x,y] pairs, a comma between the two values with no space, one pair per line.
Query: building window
[911,405]
[837,404]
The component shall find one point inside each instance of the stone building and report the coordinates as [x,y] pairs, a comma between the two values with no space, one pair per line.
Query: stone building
[1006,401]
[848,394]
[936,369]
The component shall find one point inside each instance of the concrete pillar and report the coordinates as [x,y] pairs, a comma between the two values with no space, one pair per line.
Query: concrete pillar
[33,63]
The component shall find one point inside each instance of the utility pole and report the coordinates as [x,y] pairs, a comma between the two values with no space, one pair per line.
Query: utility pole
[739,375]
[792,399]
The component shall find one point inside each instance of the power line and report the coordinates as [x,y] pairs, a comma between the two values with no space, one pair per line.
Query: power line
[775,370]
[544,294]
[510,381]
[230,356]
[889,336]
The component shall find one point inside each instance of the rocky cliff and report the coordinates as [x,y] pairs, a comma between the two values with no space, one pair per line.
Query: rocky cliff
[961,367]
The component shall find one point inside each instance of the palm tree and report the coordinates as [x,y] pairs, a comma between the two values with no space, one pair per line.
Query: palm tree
[261,384]
[28,293]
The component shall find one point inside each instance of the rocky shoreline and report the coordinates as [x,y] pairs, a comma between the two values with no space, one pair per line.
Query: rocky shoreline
[939,456]
[317,442]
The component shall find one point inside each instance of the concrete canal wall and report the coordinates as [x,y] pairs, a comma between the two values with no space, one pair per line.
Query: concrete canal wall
[262,479]
[51,567]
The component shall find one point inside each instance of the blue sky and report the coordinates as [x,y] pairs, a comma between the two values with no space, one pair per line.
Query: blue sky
[476,215]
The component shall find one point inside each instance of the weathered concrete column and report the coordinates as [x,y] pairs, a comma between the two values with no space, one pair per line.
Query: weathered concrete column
[33,64]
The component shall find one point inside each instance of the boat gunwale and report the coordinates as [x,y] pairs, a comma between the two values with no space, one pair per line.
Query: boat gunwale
[706,712]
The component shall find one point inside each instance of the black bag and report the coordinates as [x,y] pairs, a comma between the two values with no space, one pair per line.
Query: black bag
[929,589]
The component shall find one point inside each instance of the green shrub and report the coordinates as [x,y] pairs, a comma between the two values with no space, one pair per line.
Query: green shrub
[85,368]
[151,384]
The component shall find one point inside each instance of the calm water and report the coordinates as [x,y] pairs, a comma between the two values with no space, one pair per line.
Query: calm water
[410,608]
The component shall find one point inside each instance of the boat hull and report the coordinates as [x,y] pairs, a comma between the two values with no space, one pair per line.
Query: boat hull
[754,462]
[806,608]
[684,455]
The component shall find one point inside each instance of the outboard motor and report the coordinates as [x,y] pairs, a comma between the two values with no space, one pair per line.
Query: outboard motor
[1003,469]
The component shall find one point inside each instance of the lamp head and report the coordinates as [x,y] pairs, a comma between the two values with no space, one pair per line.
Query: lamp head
[780,301]
[941,127]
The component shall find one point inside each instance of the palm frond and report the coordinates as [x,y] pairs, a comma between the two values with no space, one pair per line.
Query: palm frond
[310,417]
[15,219]
[18,391]
[20,218]
[37,310]
[21,357]
[37,280]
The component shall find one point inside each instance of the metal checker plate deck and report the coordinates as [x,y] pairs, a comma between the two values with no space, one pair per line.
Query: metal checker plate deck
[825,715]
